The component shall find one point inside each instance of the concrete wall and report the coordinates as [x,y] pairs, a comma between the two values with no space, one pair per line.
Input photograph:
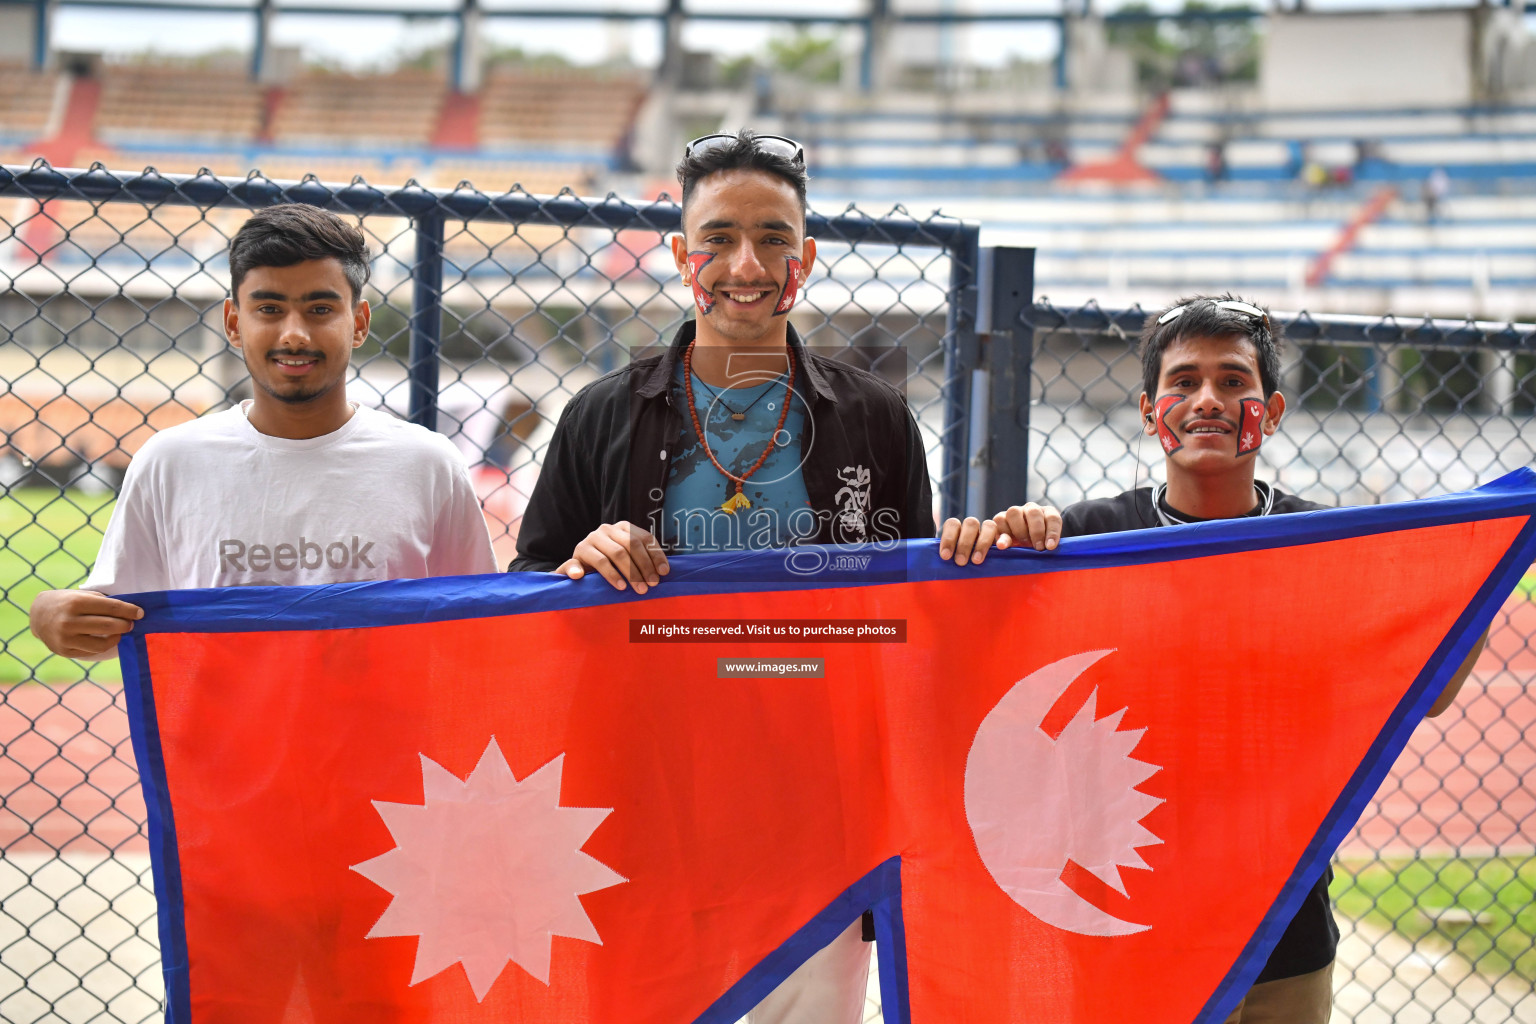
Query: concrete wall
[1315,61]
[17,32]
[1507,66]
[1093,66]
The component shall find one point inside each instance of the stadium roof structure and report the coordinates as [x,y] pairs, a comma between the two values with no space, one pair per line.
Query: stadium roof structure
[872,16]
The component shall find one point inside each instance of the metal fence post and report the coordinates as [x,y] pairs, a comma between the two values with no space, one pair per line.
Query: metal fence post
[426,318]
[1007,293]
[961,353]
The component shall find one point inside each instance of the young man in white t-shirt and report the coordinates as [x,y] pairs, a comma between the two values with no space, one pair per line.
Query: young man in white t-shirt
[296,486]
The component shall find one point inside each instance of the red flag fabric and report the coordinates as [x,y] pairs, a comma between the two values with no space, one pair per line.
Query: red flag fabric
[1086,785]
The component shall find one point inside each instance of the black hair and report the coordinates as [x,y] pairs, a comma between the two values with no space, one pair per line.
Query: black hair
[740,153]
[280,236]
[1203,318]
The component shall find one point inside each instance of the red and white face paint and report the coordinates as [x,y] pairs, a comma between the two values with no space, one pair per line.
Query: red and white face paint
[1165,434]
[703,298]
[791,289]
[1250,426]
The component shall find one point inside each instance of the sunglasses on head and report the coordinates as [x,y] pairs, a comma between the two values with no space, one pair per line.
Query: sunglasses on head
[1245,308]
[778,145]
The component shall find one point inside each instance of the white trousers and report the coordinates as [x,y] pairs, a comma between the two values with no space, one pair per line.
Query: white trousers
[828,988]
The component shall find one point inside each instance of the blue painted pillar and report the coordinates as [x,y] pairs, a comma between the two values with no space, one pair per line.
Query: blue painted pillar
[40,35]
[426,318]
[259,44]
[466,56]
[877,30]
[961,358]
[1061,52]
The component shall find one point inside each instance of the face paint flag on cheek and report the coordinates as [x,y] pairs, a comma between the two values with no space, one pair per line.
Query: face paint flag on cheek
[1250,432]
[703,298]
[791,286]
[1165,433]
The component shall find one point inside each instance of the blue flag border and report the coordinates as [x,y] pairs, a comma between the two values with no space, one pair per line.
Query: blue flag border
[399,602]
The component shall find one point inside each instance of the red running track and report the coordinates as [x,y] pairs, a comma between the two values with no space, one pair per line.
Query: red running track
[1466,781]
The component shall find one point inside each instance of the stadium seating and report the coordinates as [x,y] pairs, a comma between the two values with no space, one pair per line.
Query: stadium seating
[561,110]
[27,100]
[1261,227]
[340,111]
[540,130]
[908,142]
[1123,249]
[159,105]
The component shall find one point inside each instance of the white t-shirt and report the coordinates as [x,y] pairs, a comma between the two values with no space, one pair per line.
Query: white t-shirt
[216,503]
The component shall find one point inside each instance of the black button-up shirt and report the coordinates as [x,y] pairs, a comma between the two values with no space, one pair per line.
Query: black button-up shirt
[864,466]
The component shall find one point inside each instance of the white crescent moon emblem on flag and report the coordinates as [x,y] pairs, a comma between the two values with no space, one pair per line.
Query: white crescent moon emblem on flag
[1034,803]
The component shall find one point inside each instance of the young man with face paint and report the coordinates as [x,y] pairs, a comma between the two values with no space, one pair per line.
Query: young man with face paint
[295,486]
[735,437]
[1210,378]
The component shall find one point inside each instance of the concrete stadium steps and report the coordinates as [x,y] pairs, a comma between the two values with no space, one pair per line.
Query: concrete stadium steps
[928,118]
[901,153]
[1493,218]
[1403,302]
[1386,124]
[926,140]
[1469,271]
[1189,120]
[1288,270]
[1275,160]
[1480,258]
[1279,236]
[1081,209]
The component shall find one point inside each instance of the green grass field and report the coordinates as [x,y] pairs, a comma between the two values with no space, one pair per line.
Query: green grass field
[1482,908]
[47,540]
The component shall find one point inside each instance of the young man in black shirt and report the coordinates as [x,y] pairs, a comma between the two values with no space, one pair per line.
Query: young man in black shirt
[1210,378]
[735,437]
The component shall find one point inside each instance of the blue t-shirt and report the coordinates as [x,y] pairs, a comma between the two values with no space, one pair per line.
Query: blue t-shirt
[780,514]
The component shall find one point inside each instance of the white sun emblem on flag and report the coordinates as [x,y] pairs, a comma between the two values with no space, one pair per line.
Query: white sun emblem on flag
[1247,440]
[487,870]
[1034,803]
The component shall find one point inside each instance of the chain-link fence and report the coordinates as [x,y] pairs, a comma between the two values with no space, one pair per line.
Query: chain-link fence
[491,311]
